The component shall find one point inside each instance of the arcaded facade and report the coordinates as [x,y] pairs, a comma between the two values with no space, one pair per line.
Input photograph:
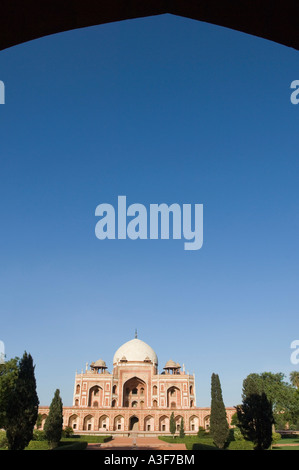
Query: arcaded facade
[134,397]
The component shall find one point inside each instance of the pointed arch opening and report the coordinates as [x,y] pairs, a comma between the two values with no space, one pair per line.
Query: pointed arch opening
[134,393]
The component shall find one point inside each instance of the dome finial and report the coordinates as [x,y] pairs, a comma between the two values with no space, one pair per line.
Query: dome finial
[136,333]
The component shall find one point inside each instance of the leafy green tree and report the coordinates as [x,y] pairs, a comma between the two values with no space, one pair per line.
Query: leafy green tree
[22,406]
[294,378]
[283,396]
[172,425]
[54,421]
[256,420]
[8,377]
[219,428]
[182,429]
[277,390]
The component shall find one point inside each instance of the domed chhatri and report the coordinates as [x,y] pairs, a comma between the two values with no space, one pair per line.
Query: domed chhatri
[99,364]
[171,365]
[135,351]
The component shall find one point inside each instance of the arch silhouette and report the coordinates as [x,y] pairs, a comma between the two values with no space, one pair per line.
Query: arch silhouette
[24,20]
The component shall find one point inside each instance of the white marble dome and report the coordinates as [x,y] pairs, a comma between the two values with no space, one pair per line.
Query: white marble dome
[135,350]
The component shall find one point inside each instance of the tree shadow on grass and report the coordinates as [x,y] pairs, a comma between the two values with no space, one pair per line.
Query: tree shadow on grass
[199,446]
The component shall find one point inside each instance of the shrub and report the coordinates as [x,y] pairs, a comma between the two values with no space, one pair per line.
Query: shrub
[238,436]
[38,435]
[275,437]
[201,432]
[241,445]
[3,440]
[37,445]
[68,431]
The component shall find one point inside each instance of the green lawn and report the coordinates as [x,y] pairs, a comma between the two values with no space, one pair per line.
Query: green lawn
[75,442]
[206,443]
[192,443]
[287,440]
[286,448]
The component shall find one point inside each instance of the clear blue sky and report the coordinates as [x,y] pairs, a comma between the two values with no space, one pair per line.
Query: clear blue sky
[160,109]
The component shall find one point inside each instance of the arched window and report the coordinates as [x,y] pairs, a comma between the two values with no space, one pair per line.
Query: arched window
[173,396]
[164,423]
[155,390]
[73,421]
[118,423]
[155,403]
[104,422]
[78,389]
[88,423]
[95,391]
[149,423]
[193,423]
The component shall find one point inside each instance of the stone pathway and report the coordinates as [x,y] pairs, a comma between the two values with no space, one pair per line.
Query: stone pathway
[136,443]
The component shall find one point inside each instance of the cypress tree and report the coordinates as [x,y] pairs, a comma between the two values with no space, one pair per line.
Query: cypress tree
[172,425]
[182,429]
[54,421]
[22,408]
[218,421]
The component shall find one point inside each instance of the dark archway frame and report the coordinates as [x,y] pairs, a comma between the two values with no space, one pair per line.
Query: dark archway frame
[25,20]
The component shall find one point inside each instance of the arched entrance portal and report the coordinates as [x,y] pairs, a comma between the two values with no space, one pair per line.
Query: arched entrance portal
[133,423]
[134,393]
